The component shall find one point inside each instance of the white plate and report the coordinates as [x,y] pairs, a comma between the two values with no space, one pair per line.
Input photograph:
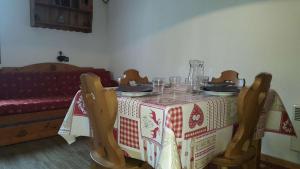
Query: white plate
[110,88]
[138,94]
[213,93]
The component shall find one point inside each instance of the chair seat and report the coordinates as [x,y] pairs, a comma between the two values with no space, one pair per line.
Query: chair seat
[235,160]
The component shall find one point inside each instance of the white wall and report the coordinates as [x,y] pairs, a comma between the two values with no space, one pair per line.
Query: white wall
[158,37]
[22,44]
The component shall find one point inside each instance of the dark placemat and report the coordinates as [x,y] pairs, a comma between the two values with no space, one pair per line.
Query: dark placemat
[222,88]
[221,84]
[138,88]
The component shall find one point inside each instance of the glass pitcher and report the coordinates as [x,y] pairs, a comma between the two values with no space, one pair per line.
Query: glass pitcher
[195,74]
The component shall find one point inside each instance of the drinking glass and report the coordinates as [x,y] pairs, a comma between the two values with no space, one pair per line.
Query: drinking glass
[119,80]
[204,81]
[240,83]
[158,85]
[193,84]
[175,81]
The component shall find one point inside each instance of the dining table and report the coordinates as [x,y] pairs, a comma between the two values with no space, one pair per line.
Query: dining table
[176,129]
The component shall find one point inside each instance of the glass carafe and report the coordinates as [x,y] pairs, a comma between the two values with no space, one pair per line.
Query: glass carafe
[195,74]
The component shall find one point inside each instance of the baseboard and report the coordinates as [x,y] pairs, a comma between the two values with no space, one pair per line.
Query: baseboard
[279,162]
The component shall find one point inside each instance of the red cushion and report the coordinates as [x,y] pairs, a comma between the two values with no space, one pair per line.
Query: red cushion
[8,86]
[69,83]
[17,106]
[20,85]
[15,85]
[28,84]
[46,84]
[106,78]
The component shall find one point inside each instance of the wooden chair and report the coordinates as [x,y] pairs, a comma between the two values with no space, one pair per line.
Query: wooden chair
[102,108]
[228,75]
[133,75]
[242,150]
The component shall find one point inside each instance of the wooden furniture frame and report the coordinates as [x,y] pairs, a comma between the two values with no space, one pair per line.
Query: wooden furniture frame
[133,75]
[18,128]
[44,67]
[227,75]
[243,150]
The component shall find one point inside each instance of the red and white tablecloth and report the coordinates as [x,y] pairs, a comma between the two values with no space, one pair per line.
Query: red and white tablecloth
[177,129]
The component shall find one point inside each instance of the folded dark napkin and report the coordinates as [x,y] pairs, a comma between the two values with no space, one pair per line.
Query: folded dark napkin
[222,88]
[138,88]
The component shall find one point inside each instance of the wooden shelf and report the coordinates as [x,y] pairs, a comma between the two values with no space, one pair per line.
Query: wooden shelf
[64,8]
[51,14]
[63,27]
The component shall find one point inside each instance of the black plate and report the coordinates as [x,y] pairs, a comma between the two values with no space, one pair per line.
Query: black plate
[139,88]
[222,88]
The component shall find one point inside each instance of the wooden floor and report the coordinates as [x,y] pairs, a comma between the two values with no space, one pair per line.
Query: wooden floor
[55,153]
[263,165]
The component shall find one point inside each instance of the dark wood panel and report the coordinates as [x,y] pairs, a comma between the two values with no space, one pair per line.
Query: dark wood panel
[27,132]
[71,15]
[20,119]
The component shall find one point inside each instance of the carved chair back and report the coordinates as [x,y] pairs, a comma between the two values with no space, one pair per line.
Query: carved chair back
[133,75]
[228,75]
[250,104]
[102,108]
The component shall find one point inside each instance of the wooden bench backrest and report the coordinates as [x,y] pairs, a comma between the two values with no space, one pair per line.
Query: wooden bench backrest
[44,67]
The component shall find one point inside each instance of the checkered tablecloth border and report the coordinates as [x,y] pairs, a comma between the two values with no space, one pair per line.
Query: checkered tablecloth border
[174,121]
[79,106]
[195,133]
[129,106]
[129,133]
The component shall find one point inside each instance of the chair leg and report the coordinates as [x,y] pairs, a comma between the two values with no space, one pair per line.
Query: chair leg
[251,164]
[246,166]
[101,151]
[114,154]
[220,167]
[257,145]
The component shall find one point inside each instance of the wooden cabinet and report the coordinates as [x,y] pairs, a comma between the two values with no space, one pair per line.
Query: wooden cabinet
[72,15]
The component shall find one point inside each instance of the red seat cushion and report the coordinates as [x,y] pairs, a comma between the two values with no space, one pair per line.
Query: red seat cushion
[17,106]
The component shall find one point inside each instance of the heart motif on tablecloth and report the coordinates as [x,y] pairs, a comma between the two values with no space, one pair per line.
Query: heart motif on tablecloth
[196,117]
